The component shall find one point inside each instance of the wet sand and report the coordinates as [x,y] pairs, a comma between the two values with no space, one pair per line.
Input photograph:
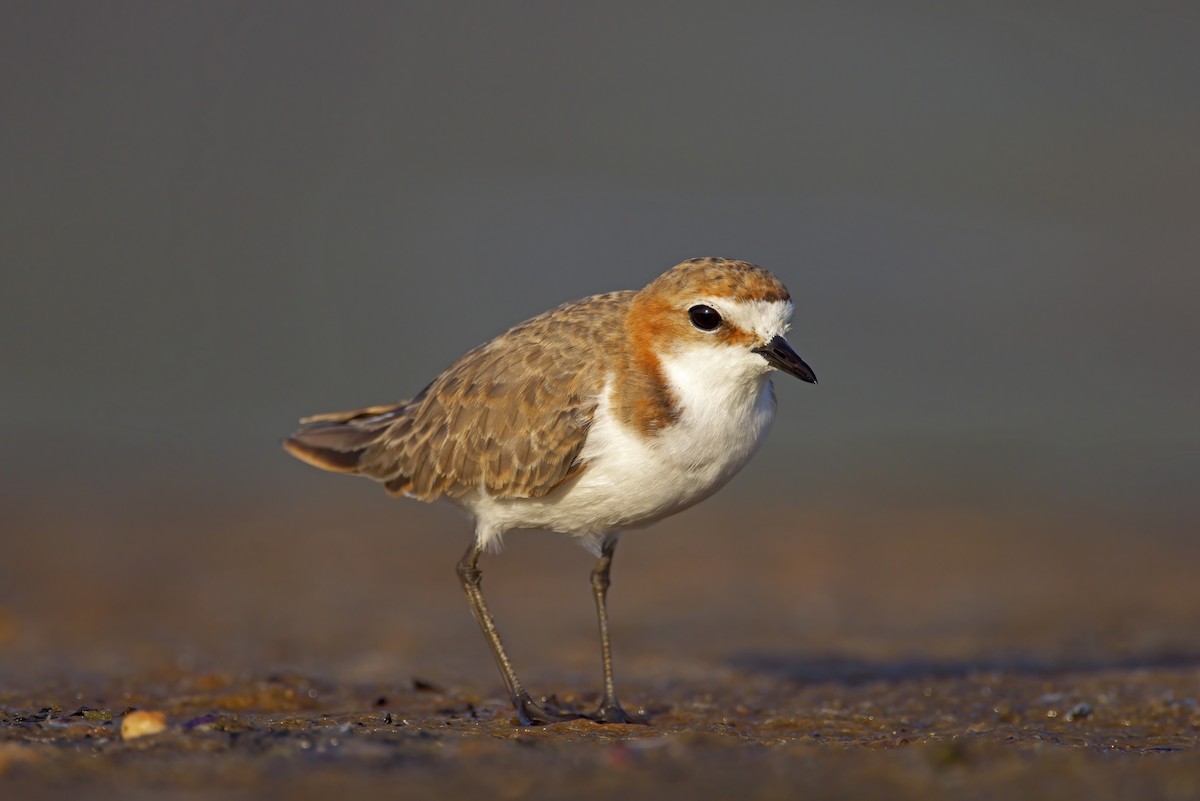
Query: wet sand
[323,646]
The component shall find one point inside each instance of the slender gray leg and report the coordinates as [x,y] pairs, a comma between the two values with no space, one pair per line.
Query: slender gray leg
[610,710]
[528,712]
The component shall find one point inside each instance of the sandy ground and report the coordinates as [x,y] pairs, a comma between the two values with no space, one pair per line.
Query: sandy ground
[323,646]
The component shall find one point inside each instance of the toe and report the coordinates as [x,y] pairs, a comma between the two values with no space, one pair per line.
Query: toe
[530,713]
[614,713]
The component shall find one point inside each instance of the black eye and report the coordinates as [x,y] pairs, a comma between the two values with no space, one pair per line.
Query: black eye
[706,318]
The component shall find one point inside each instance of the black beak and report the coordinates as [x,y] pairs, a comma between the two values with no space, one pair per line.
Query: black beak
[780,355]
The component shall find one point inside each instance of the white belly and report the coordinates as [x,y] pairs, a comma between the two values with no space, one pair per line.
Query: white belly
[632,479]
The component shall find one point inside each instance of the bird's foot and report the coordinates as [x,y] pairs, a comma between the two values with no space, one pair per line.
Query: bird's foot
[610,711]
[530,713]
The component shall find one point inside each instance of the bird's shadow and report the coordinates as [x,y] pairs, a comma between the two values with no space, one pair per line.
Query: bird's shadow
[807,668]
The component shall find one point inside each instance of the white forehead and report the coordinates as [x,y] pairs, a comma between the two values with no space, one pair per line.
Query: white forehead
[764,318]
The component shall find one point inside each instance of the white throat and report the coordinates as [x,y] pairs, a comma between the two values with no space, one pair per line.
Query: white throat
[726,405]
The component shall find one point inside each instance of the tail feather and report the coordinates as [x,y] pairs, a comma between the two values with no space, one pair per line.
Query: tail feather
[336,441]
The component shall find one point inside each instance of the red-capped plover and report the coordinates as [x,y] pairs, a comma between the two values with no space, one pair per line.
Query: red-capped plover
[603,414]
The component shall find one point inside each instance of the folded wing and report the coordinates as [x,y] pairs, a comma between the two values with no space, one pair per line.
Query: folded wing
[508,419]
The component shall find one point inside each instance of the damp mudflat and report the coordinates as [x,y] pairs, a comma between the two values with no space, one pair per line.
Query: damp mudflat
[324,647]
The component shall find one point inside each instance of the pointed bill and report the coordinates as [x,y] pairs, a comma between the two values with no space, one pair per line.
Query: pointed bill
[779,354]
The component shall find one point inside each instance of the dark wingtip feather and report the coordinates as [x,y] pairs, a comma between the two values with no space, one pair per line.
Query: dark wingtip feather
[373,415]
[337,441]
[323,457]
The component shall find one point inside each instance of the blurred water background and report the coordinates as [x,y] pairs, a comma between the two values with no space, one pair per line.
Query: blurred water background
[217,217]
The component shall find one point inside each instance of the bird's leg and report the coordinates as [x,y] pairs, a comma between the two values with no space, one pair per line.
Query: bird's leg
[610,710]
[528,712]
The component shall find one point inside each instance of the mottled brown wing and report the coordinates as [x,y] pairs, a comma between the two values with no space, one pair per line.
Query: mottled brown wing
[511,416]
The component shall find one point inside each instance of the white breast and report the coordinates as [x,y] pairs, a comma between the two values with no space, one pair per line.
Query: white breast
[726,405]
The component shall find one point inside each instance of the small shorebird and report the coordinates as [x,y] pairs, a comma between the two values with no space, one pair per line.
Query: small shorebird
[603,414]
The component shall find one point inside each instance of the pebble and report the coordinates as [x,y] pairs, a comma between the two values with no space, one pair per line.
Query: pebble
[140,723]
